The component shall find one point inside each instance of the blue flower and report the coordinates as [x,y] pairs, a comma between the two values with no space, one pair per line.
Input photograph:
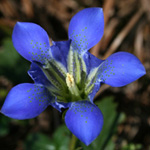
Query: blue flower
[66,75]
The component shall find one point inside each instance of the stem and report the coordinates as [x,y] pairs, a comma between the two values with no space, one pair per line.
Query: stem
[73,143]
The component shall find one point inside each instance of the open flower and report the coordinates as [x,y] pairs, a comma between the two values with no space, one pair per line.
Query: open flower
[66,75]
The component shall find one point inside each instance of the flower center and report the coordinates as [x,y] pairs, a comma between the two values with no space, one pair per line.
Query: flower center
[71,83]
[73,88]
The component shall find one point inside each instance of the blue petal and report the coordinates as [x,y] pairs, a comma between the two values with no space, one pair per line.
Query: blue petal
[94,90]
[60,105]
[60,51]
[37,75]
[31,41]
[26,101]
[120,69]
[86,28]
[91,61]
[84,120]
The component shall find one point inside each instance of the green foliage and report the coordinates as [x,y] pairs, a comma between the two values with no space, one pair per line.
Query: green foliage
[108,108]
[12,65]
[132,146]
[3,93]
[39,141]
[4,125]
[62,138]
[8,54]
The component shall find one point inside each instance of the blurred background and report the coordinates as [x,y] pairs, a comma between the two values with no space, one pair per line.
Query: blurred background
[126,110]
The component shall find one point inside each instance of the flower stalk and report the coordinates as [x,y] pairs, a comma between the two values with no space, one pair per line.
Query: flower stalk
[73,141]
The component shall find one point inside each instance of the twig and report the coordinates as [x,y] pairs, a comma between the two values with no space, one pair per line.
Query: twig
[113,47]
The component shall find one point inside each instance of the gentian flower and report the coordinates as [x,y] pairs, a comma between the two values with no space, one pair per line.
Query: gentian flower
[66,75]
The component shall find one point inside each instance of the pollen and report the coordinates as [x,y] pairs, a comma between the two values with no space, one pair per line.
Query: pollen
[70,80]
